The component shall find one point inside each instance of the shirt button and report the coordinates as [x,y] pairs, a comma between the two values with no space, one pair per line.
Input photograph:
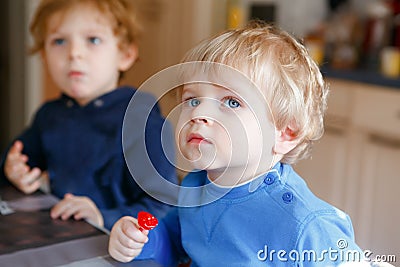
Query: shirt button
[70,103]
[269,180]
[98,103]
[287,197]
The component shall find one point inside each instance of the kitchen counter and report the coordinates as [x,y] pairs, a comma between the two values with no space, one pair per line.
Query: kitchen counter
[364,76]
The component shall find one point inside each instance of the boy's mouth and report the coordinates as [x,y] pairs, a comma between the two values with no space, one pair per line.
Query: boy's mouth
[75,74]
[196,139]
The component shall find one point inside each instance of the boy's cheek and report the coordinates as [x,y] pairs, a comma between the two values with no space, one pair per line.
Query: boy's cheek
[180,137]
[182,123]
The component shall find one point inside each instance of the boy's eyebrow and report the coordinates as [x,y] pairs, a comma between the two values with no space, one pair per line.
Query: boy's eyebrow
[187,88]
[190,90]
[52,29]
[230,91]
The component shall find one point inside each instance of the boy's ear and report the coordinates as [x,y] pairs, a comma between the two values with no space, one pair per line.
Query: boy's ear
[128,57]
[285,140]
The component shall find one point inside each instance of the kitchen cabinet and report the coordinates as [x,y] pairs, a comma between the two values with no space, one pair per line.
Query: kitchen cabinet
[325,171]
[377,124]
[379,213]
[356,165]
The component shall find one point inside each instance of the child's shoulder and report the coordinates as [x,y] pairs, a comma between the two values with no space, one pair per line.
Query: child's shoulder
[300,202]
[139,100]
[53,104]
[293,208]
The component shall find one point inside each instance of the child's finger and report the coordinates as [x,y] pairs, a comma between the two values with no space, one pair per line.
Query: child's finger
[31,176]
[17,170]
[30,188]
[130,228]
[129,243]
[17,146]
[15,165]
[68,196]
[60,209]
[124,248]
[130,252]
[70,211]
[29,182]
[16,149]
[84,212]
[123,254]
[13,158]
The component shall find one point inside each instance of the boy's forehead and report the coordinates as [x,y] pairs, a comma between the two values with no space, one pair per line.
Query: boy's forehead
[85,10]
[223,77]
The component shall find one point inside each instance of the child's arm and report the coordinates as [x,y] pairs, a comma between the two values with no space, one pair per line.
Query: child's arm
[331,238]
[23,161]
[126,240]
[149,154]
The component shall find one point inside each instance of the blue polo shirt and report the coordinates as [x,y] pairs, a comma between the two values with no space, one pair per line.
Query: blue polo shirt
[81,148]
[273,221]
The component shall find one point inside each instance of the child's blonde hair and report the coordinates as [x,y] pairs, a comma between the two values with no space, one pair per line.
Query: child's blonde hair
[125,22]
[282,69]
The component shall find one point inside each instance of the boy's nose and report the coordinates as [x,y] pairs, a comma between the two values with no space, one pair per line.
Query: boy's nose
[75,50]
[203,120]
[205,112]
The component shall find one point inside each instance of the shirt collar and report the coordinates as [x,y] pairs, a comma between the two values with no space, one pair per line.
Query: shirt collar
[102,101]
[268,179]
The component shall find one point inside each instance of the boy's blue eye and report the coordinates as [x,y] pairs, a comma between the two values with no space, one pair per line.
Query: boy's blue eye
[59,41]
[193,102]
[95,40]
[231,103]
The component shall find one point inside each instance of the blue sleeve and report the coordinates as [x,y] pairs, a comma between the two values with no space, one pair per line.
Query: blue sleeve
[149,151]
[31,138]
[136,200]
[328,240]
[164,244]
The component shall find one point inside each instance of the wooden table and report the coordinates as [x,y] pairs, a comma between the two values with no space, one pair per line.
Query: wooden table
[29,237]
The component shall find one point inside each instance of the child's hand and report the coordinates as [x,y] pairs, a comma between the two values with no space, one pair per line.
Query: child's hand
[126,240]
[79,208]
[18,172]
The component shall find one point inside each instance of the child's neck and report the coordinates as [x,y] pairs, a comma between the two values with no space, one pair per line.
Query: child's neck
[233,177]
[236,176]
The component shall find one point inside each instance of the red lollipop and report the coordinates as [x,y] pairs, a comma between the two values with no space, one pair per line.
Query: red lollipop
[146,221]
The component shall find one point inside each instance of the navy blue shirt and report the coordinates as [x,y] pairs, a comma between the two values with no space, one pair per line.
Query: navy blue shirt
[81,148]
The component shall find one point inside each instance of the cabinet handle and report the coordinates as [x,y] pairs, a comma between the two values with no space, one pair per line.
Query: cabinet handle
[385,141]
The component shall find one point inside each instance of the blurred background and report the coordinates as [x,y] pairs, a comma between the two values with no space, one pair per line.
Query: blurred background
[356,166]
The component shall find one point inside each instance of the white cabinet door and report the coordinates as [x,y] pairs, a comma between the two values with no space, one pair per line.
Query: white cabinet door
[325,171]
[377,227]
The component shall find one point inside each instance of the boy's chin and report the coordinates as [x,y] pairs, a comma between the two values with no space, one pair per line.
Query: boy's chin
[200,160]
[201,164]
